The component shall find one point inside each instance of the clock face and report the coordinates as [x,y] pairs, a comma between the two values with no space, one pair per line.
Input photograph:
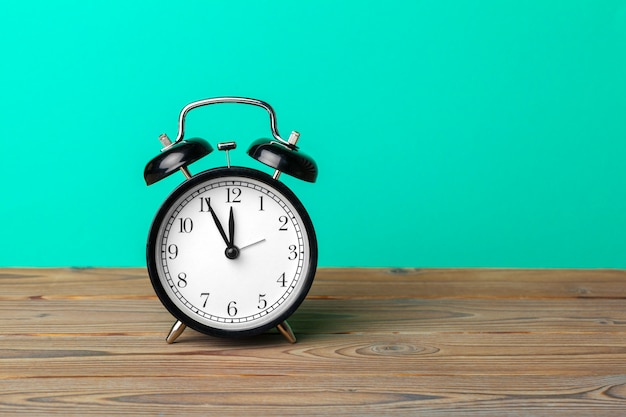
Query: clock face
[232,252]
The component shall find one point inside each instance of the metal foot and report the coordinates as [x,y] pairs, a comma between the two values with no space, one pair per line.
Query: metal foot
[285,329]
[177,329]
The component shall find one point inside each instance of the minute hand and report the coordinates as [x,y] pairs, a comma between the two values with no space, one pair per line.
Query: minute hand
[219,226]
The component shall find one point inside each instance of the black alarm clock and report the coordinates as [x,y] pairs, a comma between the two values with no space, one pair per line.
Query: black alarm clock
[232,251]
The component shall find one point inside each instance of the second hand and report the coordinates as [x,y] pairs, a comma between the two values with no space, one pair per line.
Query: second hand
[252,244]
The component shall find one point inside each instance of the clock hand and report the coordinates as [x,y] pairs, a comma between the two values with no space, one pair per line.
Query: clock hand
[232,251]
[219,225]
[231,228]
[252,244]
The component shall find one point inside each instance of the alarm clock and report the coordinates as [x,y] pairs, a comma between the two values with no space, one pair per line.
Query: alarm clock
[232,251]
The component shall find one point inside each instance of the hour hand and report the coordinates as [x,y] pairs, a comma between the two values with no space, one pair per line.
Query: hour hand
[232,251]
[231,228]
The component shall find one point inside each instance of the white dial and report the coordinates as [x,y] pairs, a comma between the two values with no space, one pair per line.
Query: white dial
[232,251]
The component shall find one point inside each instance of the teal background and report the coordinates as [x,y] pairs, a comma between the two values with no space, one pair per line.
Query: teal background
[447,133]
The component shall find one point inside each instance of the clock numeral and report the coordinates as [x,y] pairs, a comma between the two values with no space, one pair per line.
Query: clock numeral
[262,302]
[283,220]
[261,207]
[233,195]
[182,280]
[205,204]
[293,254]
[282,280]
[186,225]
[232,308]
[172,250]
[205,295]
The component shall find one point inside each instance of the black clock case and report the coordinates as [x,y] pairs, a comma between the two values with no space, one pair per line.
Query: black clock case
[160,216]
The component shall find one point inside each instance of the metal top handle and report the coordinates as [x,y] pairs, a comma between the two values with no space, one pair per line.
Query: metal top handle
[219,100]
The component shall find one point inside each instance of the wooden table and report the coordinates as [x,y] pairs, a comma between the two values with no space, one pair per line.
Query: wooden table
[90,342]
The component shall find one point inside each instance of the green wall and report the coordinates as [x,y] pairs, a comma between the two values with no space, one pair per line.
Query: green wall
[447,133]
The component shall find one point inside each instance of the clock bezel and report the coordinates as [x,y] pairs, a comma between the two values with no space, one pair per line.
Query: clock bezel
[161,216]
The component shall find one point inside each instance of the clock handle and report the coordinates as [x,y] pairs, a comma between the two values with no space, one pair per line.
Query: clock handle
[219,100]
[280,154]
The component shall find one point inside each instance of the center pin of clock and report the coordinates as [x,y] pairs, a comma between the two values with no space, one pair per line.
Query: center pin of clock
[232,252]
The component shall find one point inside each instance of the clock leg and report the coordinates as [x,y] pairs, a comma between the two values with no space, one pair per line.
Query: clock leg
[177,329]
[285,329]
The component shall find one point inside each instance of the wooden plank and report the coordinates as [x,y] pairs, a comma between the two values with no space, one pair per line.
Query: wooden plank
[469,283]
[339,394]
[359,375]
[330,316]
[371,342]
[339,283]
[75,283]
[354,355]
[314,396]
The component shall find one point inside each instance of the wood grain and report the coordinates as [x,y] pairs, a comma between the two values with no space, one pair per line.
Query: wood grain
[486,342]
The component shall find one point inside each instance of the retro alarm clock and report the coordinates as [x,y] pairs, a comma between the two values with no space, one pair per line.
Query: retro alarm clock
[232,251]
